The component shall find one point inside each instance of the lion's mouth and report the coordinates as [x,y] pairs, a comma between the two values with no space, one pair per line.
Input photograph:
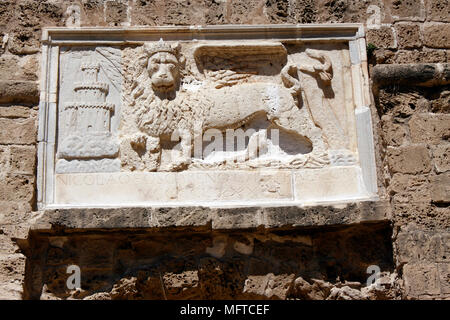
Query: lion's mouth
[164,86]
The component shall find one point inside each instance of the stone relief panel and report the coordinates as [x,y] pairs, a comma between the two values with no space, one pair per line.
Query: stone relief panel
[210,121]
[285,104]
[90,80]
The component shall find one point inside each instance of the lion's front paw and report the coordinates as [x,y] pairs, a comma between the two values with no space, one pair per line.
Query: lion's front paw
[139,142]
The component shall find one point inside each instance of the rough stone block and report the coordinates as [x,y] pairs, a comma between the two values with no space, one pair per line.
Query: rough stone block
[115,12]
[12,270]
[420,74]
[438,10]
[92,13]
[19,91]
[23,159]
[410,188]
[146,13]
[215,12]
[23,41]
[17,131]
[415,244]
[408,35]
[14,212]
[409,159]
[407,9]
[440,188]
[436,35]
[349,11]
[381,38]
[421,279]
[441,157]
[429,128]
[299,11]
[444,277]
[249,12]
[420,56]
[16,112]
[442,103]
[17,188]
[178,12]
[4,158]
[394,134]
[19,68]
[269,286]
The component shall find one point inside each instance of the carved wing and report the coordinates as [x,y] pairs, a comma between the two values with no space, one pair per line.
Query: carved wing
[233,63]
[110,61]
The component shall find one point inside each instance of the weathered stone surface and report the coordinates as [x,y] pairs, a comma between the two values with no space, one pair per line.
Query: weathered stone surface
[178,12]
[18,188]
[407,9]
[12,268]
[92,13]
[429,128]
[12,212]
[19,91]
[438,10]
[182,266]
[248,12]
[233,218]
[19,68]
[414,245]
[299,11]
[26,19]
[381,38]
[17,112]
[410,188]
[17,131]
[441,188]
[269,286]
[115,12]
[444,277]
[421,280]
[147,13]
[419,56]
[350,11]
[437,35]
[442,103]
[441,157]
[413,74]
[23,42]
[394,134]
[408,35]
[23,159]
[409,159]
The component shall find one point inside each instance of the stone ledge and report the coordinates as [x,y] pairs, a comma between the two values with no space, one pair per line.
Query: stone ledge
[419,74]
[80,219]
[19,91]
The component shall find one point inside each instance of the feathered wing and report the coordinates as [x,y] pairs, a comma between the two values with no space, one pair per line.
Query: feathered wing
[110,60]
[231,64]
[228,72]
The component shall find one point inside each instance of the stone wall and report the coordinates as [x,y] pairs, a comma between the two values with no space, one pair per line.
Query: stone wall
[412,135]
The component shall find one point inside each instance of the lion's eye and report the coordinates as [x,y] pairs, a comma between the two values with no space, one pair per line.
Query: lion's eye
[153,68]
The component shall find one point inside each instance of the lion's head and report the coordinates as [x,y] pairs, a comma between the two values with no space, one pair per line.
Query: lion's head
[163,66]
